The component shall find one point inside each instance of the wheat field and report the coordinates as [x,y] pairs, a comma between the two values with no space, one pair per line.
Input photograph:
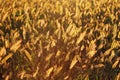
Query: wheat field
[59,39]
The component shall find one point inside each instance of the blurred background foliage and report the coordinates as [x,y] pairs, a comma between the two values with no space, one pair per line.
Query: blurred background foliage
[59,40]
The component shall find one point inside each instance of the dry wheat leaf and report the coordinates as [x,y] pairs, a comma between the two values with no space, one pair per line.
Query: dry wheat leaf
[24,33]
[28,55]
[91,53]
[57,70]
[35,30]
[118,76]
[69,28]
[37,39]
[115,64]
[2,51]
[36,72]
[119,34]
[79,58]
[66,77]
[29,27]
[74,61]
[77,14]
[99,65]
[1,32]
[5,16]
[7,77]
[107,52]
[28,45]
[6,58]
[49,57]
[16,35]
[0,24]
[57,54]
[15,46]
[80,38]
[53,43]
[84,66]
[41,49]
[112,55]
[114,44]
[92,45]
[7,43]
[72,31]
[67,56]
[48,72]
[22,74]
[86,77]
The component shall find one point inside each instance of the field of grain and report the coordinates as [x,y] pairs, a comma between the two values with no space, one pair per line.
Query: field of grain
[59,39]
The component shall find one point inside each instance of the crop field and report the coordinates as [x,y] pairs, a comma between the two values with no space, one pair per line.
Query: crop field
[59,39]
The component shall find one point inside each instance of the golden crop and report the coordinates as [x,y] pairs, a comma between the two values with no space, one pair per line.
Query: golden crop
[59,39]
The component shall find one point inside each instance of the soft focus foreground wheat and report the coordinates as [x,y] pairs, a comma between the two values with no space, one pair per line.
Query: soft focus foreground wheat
[59,39]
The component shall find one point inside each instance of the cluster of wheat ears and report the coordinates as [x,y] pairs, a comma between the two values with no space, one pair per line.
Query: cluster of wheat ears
[59,39]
